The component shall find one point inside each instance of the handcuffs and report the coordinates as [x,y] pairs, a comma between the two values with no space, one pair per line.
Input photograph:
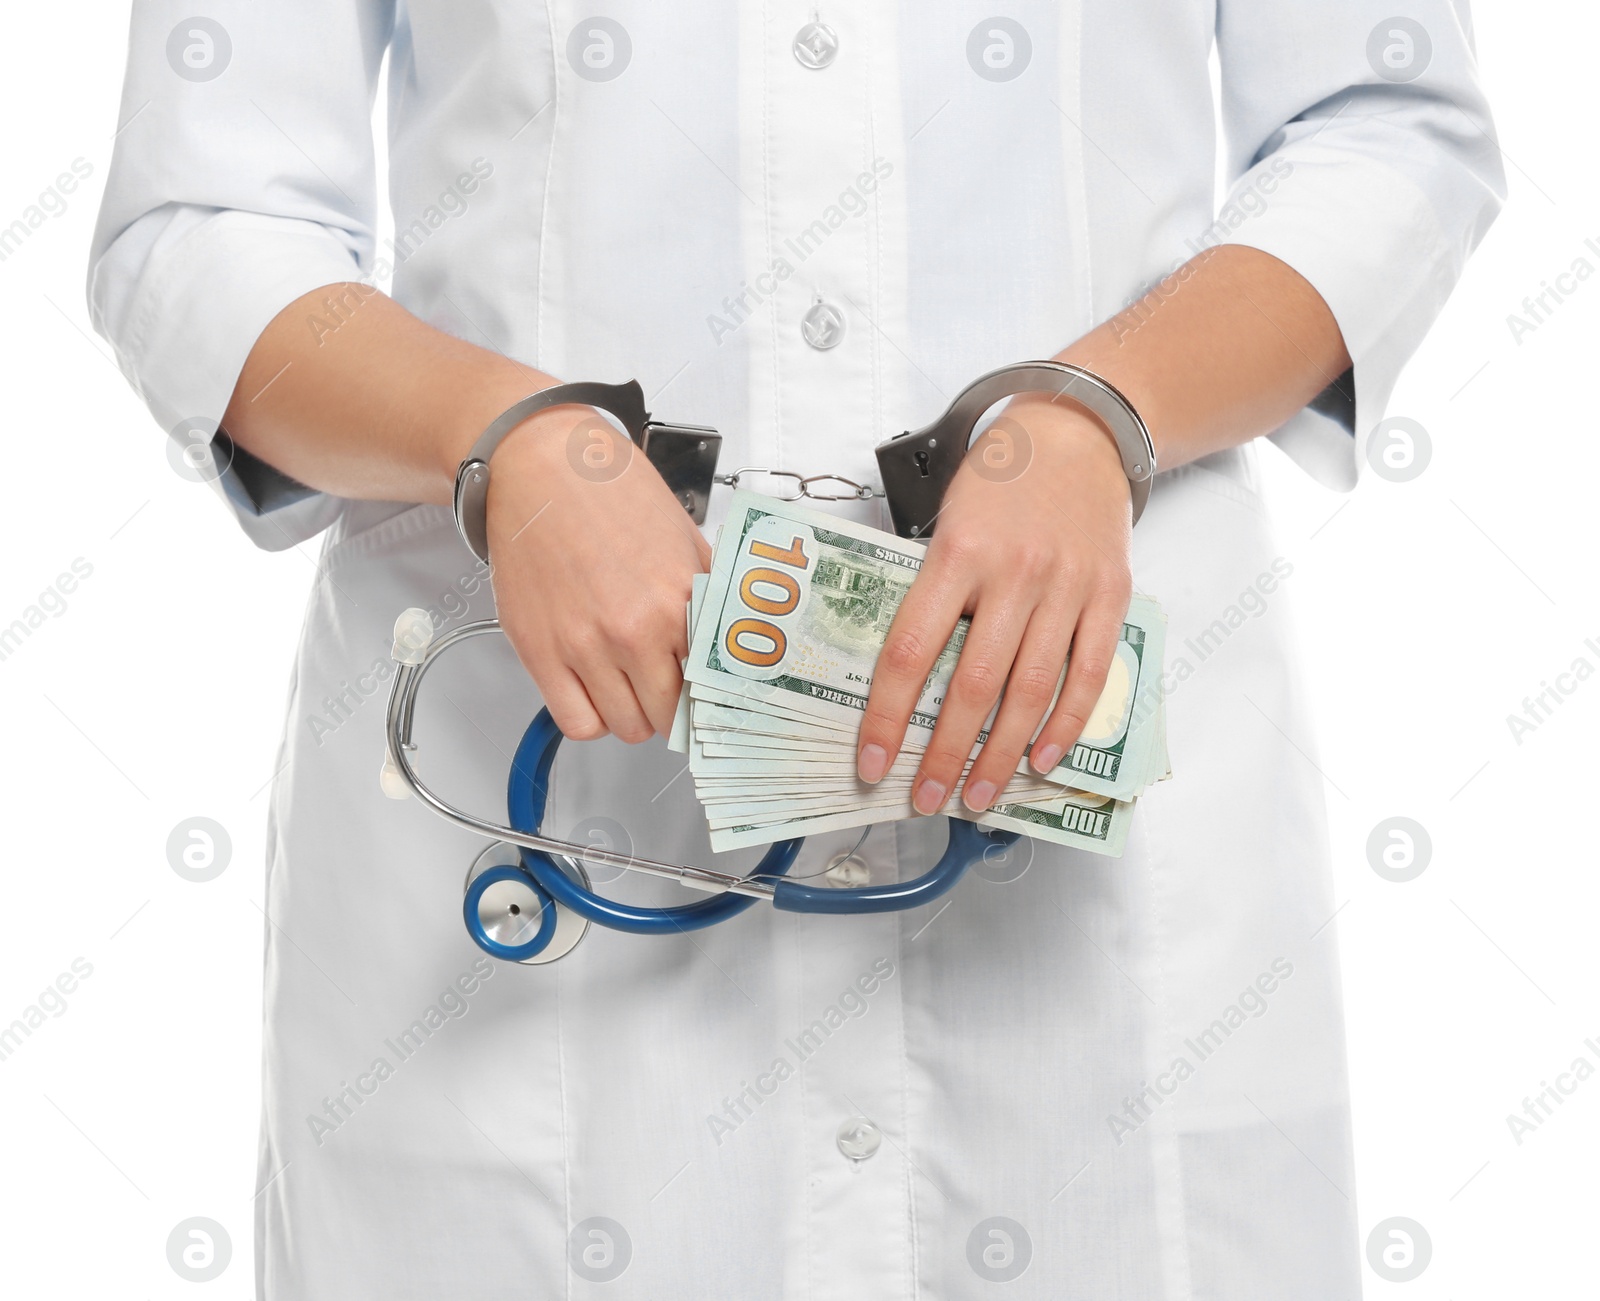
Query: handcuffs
[916,466]
[528,897]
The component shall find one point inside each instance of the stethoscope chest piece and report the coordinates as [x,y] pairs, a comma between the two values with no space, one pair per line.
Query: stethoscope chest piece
[506,915]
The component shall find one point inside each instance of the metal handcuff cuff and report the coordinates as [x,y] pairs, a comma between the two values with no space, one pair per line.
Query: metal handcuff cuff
[528,896]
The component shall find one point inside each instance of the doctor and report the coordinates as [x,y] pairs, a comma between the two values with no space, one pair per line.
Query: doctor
[809,228]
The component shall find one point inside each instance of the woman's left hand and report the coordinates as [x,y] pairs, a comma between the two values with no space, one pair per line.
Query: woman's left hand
[1033,543]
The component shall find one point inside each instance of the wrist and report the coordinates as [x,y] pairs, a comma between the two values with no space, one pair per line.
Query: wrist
[1069,438]
[475,398]
[568,439]
[547,442]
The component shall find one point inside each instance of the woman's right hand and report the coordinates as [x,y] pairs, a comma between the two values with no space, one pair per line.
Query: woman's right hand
[593,556]
[593,563]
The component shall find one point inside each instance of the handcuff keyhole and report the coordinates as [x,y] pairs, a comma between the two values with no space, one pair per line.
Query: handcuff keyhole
[921,458]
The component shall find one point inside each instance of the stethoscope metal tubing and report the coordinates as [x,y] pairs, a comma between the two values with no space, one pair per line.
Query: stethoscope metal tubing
[402,704]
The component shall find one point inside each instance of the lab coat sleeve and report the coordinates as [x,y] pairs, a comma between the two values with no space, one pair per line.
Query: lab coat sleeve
[231,194]
[1373,185]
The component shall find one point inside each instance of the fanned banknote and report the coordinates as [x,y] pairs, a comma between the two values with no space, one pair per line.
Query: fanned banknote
[784,636]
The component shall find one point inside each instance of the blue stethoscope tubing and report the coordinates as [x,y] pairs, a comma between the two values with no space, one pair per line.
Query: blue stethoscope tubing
[548,872]
[527,793]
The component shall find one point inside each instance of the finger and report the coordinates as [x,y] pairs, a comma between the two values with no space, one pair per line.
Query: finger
[563,691]
[1029,692]
[613,697]
[980,673]
[922,625]
[647,646]
[657,683]
[1094,643]
[569,705]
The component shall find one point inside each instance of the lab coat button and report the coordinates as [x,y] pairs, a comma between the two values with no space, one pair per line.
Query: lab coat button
[816,45]
[859,1138]
[822,326]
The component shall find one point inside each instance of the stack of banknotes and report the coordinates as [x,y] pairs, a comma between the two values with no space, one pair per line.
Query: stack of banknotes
[784,633]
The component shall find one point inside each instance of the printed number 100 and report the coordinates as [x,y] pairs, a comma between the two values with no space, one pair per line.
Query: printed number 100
[758,642]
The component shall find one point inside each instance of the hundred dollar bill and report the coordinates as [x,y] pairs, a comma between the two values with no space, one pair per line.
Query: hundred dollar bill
[1117,751]
[1088,822]
[798,606]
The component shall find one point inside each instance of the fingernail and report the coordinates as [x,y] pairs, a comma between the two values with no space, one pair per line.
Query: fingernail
[871,763]
[978,796]
[929,796]
[1047,758]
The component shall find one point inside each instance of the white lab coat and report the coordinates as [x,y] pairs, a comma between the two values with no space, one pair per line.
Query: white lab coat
[437,1124]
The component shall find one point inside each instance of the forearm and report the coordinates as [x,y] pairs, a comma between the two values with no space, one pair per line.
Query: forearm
[1233,344]
[382,407]
[1040,561]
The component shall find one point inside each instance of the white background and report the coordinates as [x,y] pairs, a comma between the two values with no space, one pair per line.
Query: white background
[1428,610]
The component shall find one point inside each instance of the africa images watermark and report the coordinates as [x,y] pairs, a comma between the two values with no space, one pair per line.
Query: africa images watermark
[52,202]
[1540,708]
[51,603]
[1251,1003]
[52,1001]
[1537,309]
[451,1005]
[453,201]
[1539,1108]
[340,707]
[1250,604]
[851,1004]
[1248,202]
[851,203]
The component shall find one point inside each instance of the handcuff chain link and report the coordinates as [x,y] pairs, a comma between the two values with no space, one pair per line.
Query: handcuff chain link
[803,484]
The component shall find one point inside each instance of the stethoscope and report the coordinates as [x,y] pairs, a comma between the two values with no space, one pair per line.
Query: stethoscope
[529,898]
